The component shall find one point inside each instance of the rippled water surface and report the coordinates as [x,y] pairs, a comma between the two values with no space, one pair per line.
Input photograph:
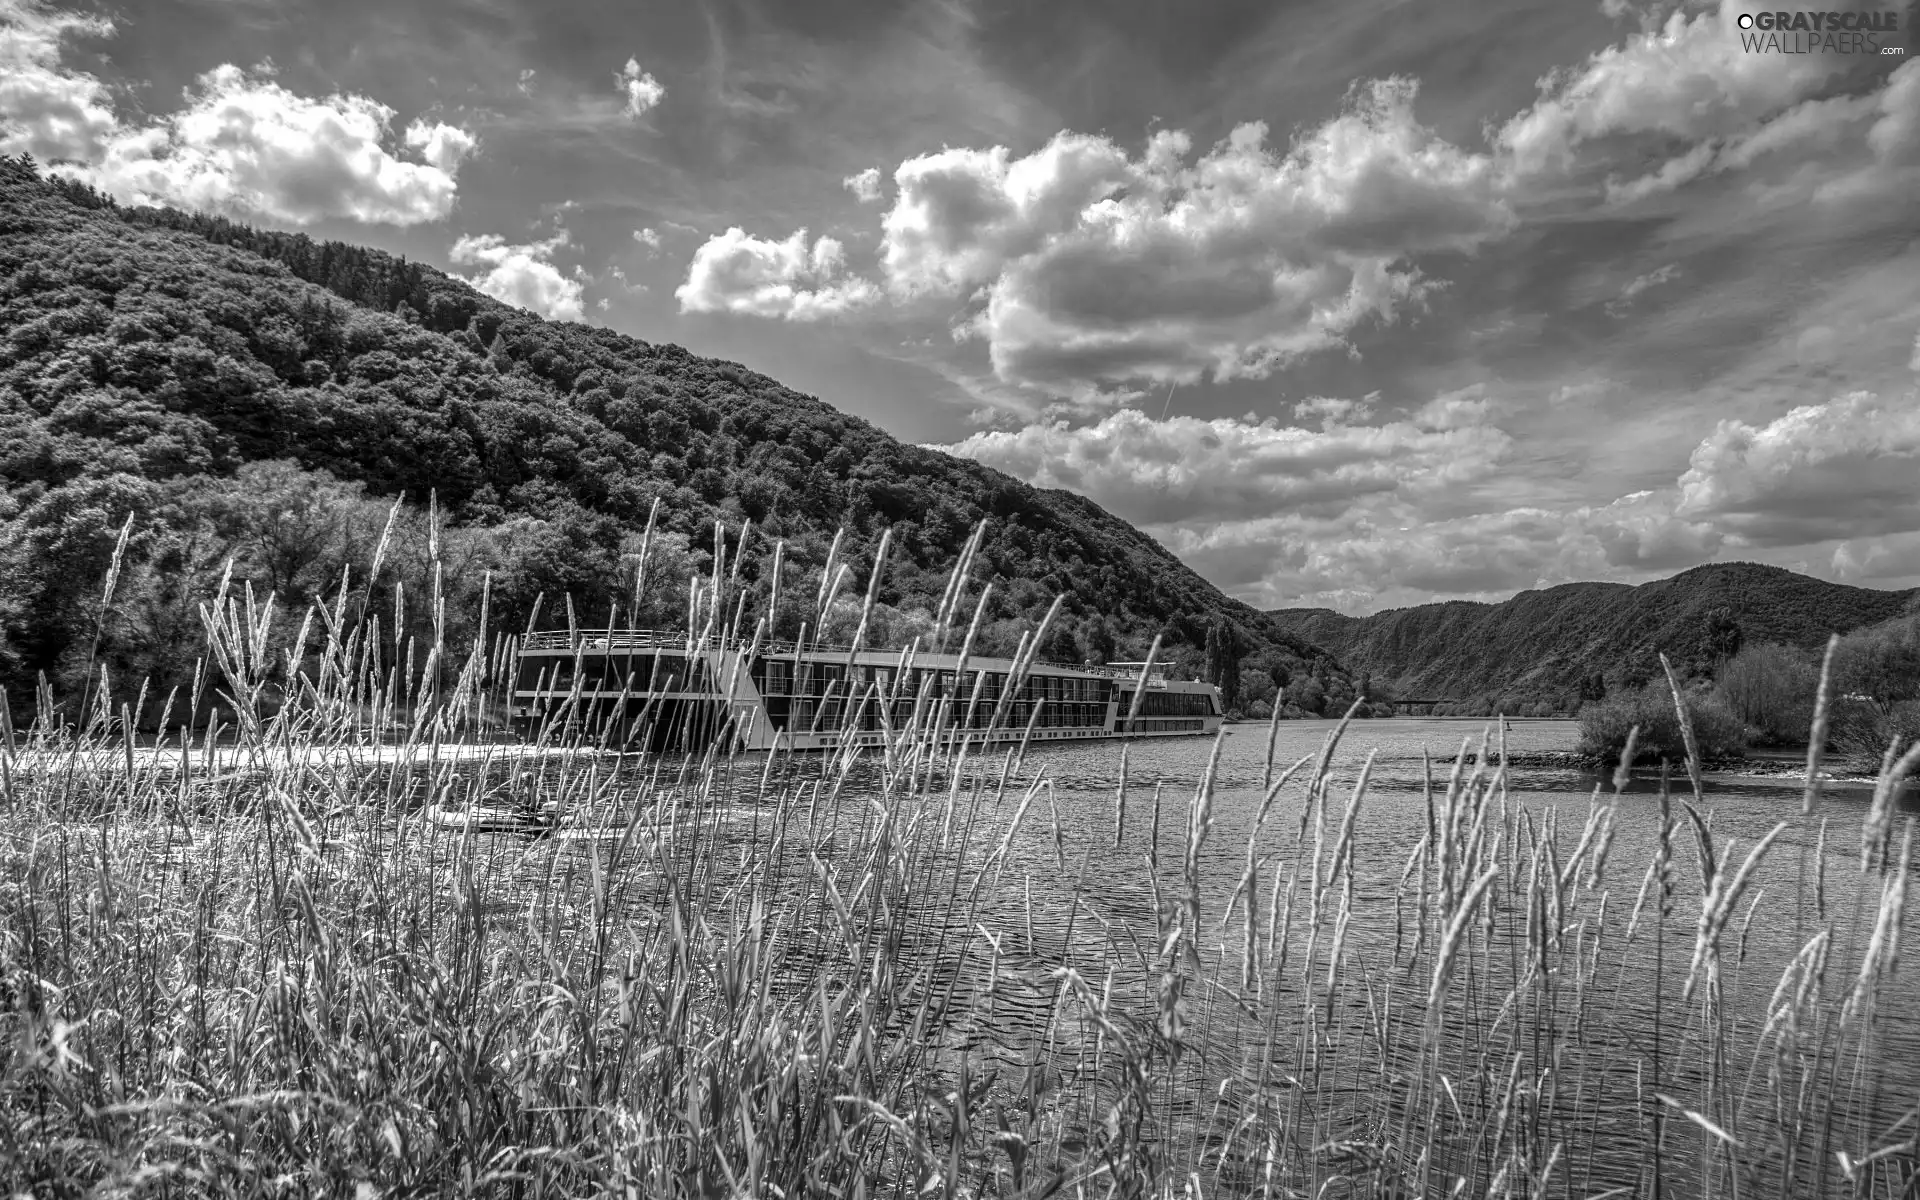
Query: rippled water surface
[1085,886]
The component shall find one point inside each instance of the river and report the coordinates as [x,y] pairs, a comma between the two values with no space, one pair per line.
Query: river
[1032,910]
[1565,1048]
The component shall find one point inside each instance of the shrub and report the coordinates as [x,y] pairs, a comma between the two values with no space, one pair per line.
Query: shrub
[1604,725]
[1770,688]
[1881,662]
[1861,730]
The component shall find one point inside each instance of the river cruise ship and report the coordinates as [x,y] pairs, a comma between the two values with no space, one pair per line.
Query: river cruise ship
[647,689]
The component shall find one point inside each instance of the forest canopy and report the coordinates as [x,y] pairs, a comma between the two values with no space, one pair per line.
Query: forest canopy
[258,400]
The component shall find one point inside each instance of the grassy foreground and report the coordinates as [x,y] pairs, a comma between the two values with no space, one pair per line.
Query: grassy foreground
[252,968]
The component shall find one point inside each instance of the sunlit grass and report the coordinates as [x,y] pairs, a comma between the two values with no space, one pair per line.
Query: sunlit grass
[256,963]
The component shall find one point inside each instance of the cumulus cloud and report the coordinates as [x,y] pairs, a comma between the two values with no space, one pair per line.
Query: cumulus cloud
[1098,267]
[738,273]
[1842,469]
[1362,561]
[245,143]
[242,142]
[865,185]
[1351,515]
[523,275]
[442,145]
[643,92]
[1687,79]
[1357,514]
[1643,532]
[648,237]
[1687,97]
[1333,410]
[46,110]
[1188,469]
[1393,550]
[1878,558]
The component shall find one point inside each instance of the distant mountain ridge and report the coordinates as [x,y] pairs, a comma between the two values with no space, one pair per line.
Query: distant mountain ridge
[1546,643]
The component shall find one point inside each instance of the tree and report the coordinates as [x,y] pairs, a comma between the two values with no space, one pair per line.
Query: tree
[1224,646]
[1256,687]
[1722,637]
[1099,641]
[1771,689]
[1061,646]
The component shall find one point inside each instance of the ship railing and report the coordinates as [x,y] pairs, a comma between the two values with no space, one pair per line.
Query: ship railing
[597,641]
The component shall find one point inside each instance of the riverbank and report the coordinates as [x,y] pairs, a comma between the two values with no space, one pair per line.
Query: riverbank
[1760,766]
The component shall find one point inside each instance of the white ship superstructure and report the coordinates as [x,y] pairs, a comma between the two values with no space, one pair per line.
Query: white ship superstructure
[648,688]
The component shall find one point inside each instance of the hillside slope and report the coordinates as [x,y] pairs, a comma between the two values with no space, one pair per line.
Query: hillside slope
[1546,644]
[248,394]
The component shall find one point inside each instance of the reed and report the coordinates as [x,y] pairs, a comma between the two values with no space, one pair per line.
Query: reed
[254,958]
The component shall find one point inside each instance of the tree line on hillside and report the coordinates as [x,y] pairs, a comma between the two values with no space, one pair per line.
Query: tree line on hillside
[259,400]
[1764,694]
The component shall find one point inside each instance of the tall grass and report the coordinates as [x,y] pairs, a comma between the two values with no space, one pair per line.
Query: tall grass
[245,962]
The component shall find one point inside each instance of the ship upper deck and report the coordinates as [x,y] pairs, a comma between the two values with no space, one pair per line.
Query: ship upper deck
[597,642]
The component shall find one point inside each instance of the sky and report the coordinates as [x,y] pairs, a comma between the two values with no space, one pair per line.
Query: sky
[1356,306]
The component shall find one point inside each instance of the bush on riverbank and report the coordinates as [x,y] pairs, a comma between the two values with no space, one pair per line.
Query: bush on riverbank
[1771,689]
[1862,730]
[1604,725]
[1875,685]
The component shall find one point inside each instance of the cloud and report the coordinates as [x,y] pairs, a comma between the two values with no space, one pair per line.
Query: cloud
[1689,79]
[247,144]
[1878,558]
[1188,469]
[523,275]
[1841,469]
[1642,532]
[1619,305]
[45,110]
[648,237]
[1362,514]
[241,143]
[444,146]
[525,82]
[865,185]
[1393,550]
[1684,100]
[643,92]
[737,273]
[1098,268]
[1333,410]
[1350,515]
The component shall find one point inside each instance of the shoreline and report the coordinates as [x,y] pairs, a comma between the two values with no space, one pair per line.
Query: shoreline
[1742,766]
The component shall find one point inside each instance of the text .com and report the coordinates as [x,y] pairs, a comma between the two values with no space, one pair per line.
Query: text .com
[1821,33]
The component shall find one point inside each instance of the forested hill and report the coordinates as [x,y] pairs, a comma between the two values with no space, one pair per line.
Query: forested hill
[1554,643]
[261,396]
